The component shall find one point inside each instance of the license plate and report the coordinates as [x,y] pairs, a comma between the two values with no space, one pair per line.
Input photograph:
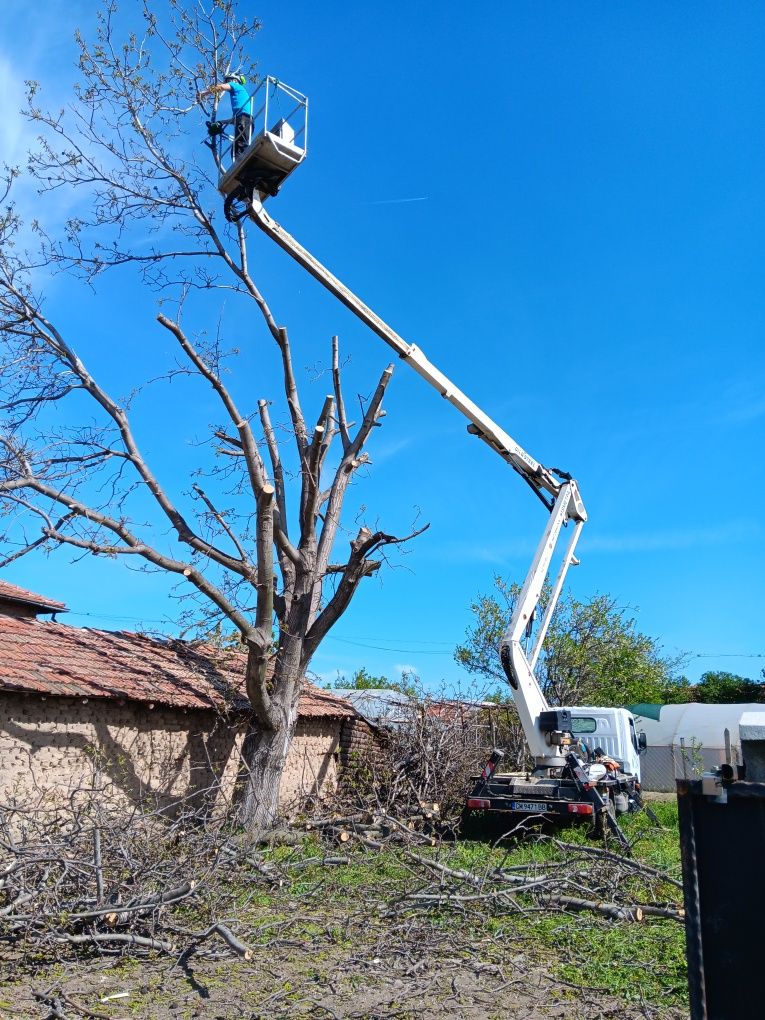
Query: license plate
[532,806]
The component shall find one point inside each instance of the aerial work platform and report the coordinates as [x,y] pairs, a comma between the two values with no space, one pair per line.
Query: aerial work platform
[275,143]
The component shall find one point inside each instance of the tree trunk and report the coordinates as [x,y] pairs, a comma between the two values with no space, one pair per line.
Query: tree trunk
[269,736]
[264,754]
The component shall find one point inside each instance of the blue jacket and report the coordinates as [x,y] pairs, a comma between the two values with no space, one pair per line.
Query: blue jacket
[241,100]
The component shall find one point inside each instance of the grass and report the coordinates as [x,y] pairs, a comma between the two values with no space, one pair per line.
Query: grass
[327,920]
[638,962]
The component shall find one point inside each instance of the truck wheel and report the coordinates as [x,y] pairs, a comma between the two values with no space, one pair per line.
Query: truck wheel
[601,828]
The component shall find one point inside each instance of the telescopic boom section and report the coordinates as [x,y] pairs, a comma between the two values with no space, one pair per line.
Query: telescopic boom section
[538,477]
[559,494]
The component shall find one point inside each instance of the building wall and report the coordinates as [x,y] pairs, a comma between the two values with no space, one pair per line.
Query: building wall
[358,741]
[50,746]
[312,766]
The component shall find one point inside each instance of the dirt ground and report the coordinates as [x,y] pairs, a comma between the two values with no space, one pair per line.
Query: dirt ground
[298,982]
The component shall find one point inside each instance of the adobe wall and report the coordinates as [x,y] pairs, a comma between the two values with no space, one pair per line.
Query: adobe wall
[152,755]
[358,741]
[312,766]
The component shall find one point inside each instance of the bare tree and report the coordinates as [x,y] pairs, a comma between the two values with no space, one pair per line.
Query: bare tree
[126,151]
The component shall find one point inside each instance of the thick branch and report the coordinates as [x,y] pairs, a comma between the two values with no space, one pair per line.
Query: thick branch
[311,474]
[345,471]
[357,567]
[288,554]
[260,640]
[133,544]
[342,421]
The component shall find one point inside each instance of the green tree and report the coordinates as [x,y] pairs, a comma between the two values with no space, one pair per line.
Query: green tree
[363,680]
[593,654]
[721,688]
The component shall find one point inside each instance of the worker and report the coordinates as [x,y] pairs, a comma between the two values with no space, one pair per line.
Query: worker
[241,109]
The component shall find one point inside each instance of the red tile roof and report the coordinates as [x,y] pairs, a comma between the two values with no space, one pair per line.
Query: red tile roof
[56,660]
[13,593]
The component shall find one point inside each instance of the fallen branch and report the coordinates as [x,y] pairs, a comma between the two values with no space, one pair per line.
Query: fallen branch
[229,938]
[628,862]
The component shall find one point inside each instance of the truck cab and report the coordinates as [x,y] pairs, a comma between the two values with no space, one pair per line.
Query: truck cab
[613,730]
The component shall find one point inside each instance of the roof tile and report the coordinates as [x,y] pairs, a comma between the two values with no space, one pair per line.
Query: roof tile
[59,660]
[13,593]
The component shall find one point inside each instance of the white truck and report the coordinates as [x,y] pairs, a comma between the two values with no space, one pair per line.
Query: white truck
[564,782]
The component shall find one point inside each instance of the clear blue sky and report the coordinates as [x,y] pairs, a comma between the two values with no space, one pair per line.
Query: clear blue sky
[563,205]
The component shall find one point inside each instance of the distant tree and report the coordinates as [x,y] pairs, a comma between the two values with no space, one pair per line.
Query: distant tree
[499,696]
[593,654]
[362,680]
[721,688]
[254,536]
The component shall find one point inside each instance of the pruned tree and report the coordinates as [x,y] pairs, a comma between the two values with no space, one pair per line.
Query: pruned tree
[256,536]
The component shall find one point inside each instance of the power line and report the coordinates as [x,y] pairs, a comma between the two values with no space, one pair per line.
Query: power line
[728,655]
[446,646]
[372,637]
[385,648]
[128,619]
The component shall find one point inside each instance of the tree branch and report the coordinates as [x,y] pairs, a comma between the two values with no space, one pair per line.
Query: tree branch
[357,567]
[347,466]
[342,420]
[133,544]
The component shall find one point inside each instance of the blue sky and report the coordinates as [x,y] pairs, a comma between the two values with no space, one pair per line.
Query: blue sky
[563,205]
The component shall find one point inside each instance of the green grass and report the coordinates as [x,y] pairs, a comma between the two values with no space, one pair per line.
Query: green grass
[636,961]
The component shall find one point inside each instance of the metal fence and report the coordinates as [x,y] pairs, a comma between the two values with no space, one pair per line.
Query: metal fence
[661,765]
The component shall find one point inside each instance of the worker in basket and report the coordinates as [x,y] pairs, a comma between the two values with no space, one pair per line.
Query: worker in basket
[600,756]
[241,110]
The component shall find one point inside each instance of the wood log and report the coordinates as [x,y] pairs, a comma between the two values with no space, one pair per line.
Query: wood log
[338,821]
[674,913]
[230,939]
[616,911]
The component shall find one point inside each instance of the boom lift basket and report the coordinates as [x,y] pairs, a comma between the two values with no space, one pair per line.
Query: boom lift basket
[276,143]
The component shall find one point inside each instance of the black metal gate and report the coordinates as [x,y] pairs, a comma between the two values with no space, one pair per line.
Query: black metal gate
[723,853]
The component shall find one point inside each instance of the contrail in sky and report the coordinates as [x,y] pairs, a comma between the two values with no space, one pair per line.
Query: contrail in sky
[398,201]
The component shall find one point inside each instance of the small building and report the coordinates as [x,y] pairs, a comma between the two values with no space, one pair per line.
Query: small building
[162,719]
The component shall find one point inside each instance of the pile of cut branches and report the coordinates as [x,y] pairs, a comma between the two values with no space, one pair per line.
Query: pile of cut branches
[378,829]
[575,878]
[569,877]
[430,756]
[103,881]
[101,876]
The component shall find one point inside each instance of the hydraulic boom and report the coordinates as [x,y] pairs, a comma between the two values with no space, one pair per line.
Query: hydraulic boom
[556,489]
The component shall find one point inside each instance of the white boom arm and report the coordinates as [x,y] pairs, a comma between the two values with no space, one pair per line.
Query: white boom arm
[559,494]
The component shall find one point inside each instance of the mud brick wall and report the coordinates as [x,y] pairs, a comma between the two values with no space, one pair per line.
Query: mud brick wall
[312,765]
[358,741]
[151,755]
